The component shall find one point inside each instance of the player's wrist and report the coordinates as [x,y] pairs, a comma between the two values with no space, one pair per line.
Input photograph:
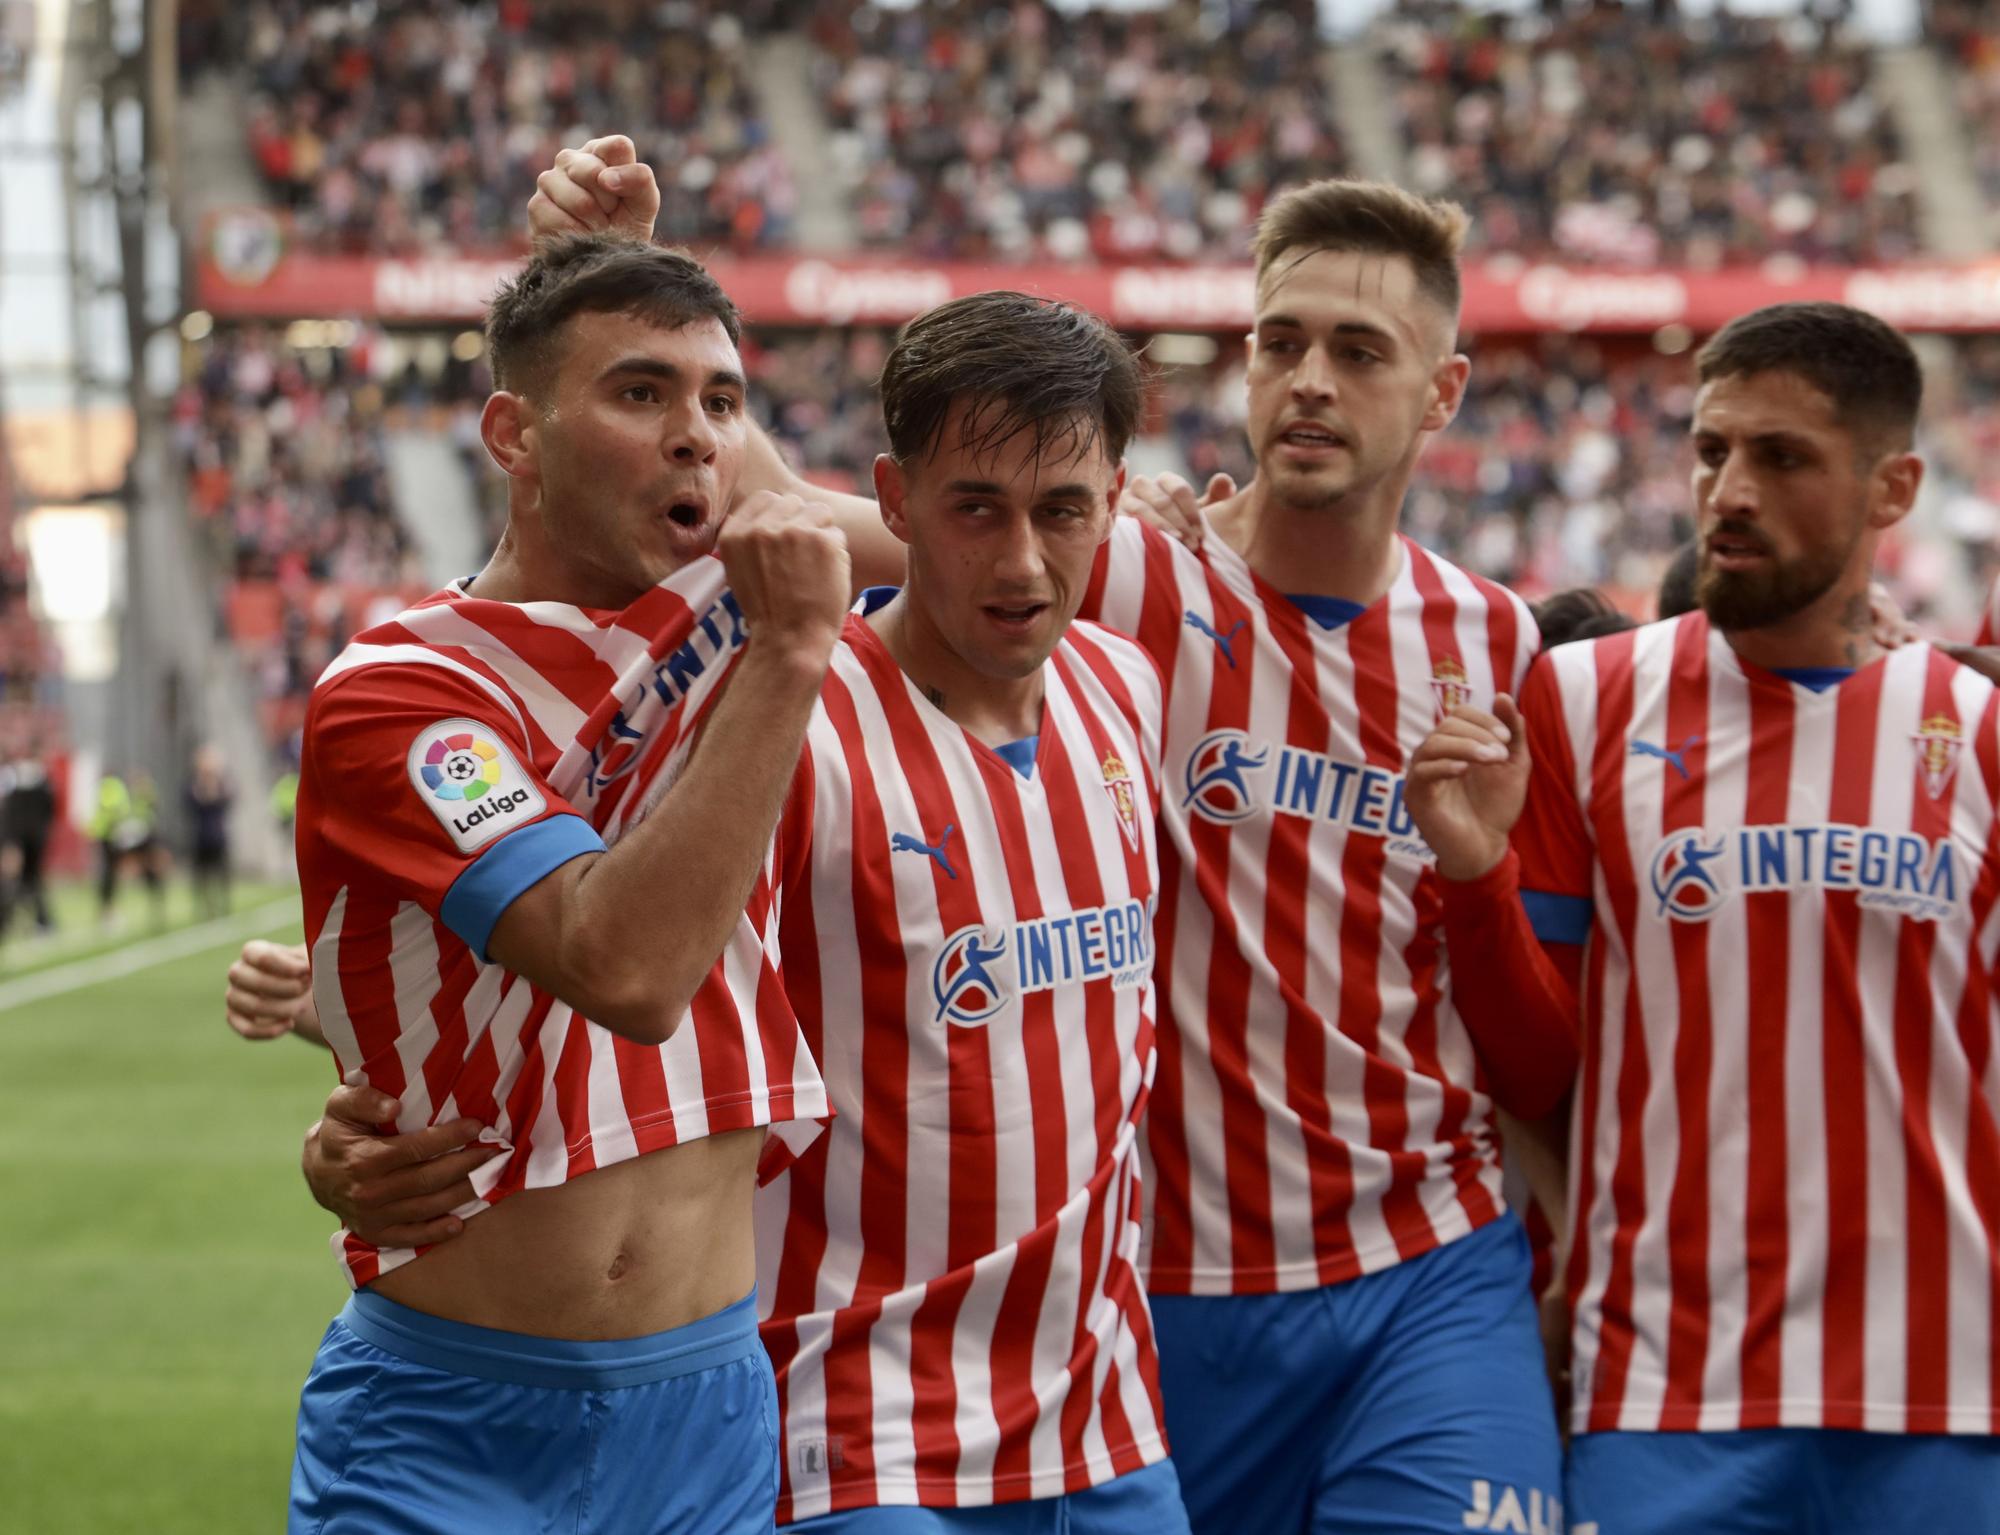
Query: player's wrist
[1473,865]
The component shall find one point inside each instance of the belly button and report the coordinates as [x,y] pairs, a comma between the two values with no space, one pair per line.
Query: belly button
[618,1267]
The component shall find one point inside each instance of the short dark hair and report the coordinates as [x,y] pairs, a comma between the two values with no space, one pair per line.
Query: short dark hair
[594,274]
[1677,581]
[1025,363]
[1372,218]
[1581,613]
[1863,365]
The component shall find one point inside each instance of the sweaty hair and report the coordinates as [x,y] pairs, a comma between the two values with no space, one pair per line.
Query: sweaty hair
[1676,594]
[1581,613]
[1863,365]
[594,274]
[1370,218]
[1022,364]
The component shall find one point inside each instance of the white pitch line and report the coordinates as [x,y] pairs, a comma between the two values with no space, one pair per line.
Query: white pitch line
[81,973]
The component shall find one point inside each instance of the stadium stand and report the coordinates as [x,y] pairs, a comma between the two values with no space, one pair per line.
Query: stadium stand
[423,123]
[1020,130]
[1612,135]
[285,478]
[1967,32]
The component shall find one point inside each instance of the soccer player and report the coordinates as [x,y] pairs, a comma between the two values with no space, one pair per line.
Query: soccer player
[965,875]
[1346,1334]
[491,855]
[1764,847]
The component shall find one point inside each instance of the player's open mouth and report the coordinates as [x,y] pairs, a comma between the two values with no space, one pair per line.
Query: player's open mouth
[1734,551]
[1306,440]
[1017,619]
[688,522]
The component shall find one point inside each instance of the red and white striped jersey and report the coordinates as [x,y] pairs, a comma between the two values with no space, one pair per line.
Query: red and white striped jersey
[1785,1167]
[1318,1112]
[949,1275]
[452,757]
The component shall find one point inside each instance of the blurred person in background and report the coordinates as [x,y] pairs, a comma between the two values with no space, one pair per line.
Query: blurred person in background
[125,828]
[1581,613]
[27,815]
[209,795]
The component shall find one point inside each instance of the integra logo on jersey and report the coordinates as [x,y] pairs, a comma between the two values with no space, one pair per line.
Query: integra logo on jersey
[980,970]
[1694,874]
[1224,781]
[471,782]
[718,633]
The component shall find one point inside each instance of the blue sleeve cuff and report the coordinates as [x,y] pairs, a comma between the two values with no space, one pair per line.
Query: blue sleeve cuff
[488,887]
[1557,918]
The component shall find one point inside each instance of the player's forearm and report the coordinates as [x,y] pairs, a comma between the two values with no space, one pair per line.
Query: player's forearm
[644,923]
[877,556]
[1518,1008]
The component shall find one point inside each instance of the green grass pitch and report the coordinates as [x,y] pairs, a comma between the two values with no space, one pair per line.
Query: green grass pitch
[164,1277]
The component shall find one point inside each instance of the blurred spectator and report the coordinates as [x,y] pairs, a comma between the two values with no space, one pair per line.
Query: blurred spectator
[1580,613]
[1676,595]
[126,829]
[400,124]
[209,796]
[1617,133]
[1008,128]
[27,817]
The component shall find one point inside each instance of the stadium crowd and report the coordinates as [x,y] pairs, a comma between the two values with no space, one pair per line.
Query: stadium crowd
[286,482]
[1967,32]
[1021,131]
[1608,134]
[419,123]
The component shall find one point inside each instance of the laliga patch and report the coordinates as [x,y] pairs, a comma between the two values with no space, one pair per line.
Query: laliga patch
[471,783]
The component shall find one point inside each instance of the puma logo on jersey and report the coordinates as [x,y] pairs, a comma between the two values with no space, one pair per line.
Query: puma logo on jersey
[1677,756]
[903,842]
[1223,642]
[1504,1508]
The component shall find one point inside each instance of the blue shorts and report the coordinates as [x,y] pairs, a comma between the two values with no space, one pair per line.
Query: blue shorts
[1144,1502]
[1408,1400]
[412,1425]
[1783,1481]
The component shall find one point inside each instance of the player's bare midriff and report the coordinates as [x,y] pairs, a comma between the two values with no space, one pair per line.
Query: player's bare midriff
[634,1248]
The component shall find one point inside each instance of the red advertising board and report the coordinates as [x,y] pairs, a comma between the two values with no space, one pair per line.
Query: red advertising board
[246,270]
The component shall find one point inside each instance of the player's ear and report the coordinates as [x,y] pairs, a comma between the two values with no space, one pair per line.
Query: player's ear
[1448,382]
[506,427]
[1897,480]
[1111,494]
[889,492]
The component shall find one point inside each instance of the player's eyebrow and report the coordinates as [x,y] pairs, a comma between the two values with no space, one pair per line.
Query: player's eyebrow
[1778,438]
[1344,328]
[652,367]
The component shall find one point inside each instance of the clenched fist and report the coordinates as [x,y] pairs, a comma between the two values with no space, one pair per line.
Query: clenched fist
[600,188]
[788,567]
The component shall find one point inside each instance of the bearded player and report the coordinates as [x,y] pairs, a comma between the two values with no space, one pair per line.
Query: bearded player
[511,923]
[1767,848]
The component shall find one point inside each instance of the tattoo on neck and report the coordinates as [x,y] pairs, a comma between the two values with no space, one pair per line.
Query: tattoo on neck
[936,696]
[1856,616]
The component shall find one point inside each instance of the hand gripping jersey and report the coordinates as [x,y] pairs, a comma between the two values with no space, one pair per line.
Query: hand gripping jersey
[452,758]
[950,1273]
[1785,1173]
[1318,1112]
